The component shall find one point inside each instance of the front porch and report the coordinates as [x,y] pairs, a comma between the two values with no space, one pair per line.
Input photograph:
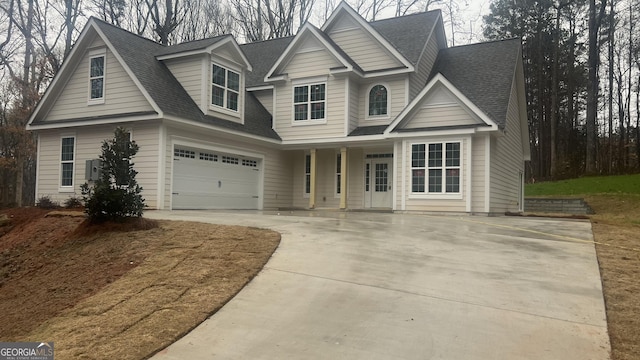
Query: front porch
[344,178]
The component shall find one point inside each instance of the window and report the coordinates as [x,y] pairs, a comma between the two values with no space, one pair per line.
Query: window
[230,160]
[184,153]
[96,78]
[435,168]
[307,174]
[309,102]
[208,156]
[225,88]
[378,101]
[367,168]
[249,163]
[338,172]
[67,155]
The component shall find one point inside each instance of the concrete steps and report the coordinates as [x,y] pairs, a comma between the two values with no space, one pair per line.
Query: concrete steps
[557,205]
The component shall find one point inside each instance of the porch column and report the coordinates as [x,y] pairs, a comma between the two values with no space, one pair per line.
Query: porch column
[343,178]
[312,190]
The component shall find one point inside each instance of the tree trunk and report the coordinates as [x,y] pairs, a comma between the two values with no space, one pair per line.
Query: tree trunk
[610,95]
[595,19]
[554,99]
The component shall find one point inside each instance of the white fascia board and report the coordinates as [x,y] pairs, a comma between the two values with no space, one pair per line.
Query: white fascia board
[427,133]
[442,80]
[181,54]
[222,130]
[63,125]
[335,140]
[126,68]
[311,29]
[258,88]
[343,6]
[62,73]
[375,74]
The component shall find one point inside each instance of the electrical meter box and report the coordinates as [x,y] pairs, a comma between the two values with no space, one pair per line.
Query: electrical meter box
[92,169]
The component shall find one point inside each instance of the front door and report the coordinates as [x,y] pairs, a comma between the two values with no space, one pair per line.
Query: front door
[378,183]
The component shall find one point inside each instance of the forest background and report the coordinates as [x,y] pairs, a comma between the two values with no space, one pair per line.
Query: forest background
[581,62]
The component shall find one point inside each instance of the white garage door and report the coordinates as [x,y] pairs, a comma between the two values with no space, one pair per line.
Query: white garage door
[204,179]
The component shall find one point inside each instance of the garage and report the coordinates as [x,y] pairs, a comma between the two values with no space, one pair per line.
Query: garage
[206,179]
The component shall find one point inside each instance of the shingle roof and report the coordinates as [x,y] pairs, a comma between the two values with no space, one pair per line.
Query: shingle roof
[408,33]
[483,73]
[191,45]
[139,55]
[368,130]
[262,55]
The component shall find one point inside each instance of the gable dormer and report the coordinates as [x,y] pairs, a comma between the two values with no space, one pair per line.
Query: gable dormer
[311,53]
[361,42]
[213,73]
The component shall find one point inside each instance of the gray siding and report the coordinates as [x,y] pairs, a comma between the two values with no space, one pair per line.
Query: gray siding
[396,91]
[507,161]
[87,146]
[188,72]
[315,63]
[363,48]
[266,99]
[354,105]
[121,93]
[437,116]
[418,79]
[478,171]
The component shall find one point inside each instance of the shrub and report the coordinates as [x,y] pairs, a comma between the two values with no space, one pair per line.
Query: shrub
[115,196]
[45,202]
[73,203]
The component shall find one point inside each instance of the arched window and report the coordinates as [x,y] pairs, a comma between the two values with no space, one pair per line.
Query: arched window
[378,101]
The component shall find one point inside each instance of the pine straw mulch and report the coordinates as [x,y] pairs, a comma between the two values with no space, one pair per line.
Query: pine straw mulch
[119,294]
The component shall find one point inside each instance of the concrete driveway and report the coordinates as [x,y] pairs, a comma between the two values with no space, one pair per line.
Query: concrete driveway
[391,286]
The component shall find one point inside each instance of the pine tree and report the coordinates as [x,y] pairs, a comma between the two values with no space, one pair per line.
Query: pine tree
[115,196]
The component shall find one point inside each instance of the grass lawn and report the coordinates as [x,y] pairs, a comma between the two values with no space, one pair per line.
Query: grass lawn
[616,230]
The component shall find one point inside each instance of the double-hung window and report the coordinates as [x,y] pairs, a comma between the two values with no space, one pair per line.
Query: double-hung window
[67,158]
[435,168]
[225,88]
[309,102]
[96,77]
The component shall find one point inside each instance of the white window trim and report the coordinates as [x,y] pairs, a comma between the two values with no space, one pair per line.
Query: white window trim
[366,104]
[225,109]
[67,188]
[309,121]
[442,195]
[338,172]
[92,55]
[306,194]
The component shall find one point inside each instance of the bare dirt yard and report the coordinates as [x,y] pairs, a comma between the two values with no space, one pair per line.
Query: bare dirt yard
[616,229]
[118,291]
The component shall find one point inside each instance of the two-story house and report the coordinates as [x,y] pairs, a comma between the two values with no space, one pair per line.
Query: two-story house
[352,115]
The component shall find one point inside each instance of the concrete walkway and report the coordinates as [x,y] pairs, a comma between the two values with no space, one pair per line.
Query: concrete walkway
[391,286]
